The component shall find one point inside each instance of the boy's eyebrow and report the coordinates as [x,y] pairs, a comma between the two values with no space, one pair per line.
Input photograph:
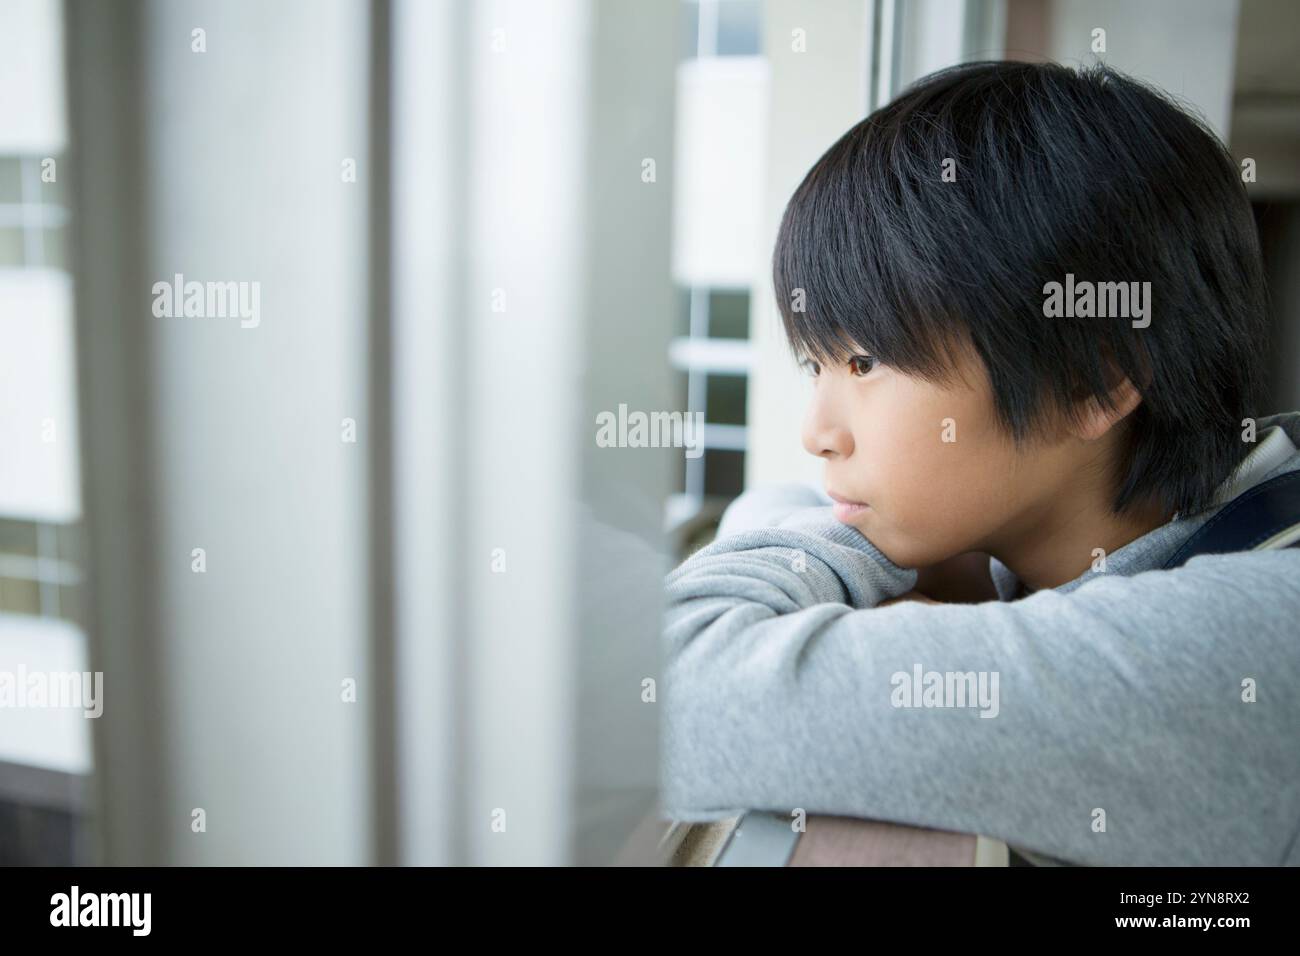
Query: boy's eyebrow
[840,349]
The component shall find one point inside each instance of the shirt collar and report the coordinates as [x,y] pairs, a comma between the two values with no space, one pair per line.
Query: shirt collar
[1274,448]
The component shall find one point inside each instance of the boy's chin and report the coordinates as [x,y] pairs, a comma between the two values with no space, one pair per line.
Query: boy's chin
[905,551]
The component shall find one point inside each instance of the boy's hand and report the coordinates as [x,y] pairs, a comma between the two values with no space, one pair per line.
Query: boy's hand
[916,596]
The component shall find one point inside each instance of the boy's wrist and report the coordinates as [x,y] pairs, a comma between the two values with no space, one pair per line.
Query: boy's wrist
[766,507]
[821,521]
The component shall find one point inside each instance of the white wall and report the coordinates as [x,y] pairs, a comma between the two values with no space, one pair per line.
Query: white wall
[1266,96]
[38,405]
[55,738]
[931,37]
[721,142]
[38,422]
[1186,47]
[816,96]
[32,114]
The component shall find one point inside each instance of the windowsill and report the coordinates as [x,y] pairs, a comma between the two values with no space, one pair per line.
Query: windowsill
[41,787]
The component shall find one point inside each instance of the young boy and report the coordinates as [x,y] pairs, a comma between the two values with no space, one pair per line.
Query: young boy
[1032,303]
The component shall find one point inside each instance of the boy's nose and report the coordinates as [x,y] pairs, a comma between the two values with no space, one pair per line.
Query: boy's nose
[822,436]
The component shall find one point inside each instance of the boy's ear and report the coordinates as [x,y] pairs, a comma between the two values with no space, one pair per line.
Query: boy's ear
[1094,419]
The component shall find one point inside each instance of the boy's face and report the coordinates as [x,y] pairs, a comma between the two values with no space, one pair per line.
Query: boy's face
[937,472]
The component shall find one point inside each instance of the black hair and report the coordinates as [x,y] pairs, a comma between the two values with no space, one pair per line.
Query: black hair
[1050,171]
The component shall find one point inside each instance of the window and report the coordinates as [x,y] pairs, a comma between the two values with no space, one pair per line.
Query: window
[711,355]
[36,576]
[32,214]
[721,28]
[45,753]
[721,102]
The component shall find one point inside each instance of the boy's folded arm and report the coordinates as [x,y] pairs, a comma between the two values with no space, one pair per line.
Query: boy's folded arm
[1119,703]
[767,505]
[809,556]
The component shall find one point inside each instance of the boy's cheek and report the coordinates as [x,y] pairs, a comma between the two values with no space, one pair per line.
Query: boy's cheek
[922,526]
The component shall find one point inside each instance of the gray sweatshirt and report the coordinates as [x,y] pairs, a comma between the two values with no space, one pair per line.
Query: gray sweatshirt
[1130,716]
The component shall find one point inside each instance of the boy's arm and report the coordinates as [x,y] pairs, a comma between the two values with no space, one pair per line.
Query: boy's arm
[1119,703]
[963,578]
[767,506]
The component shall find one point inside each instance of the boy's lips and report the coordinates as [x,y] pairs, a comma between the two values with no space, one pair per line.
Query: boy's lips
[844,509]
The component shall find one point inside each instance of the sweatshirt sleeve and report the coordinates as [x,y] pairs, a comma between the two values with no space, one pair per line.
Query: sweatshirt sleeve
[1109,724]
[768,506]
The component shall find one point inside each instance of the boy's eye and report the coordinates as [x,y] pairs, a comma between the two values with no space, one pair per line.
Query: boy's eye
[810,367]
[862,364]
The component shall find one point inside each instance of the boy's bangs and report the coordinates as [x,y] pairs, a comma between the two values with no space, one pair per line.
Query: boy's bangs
[903,329]
[852,275]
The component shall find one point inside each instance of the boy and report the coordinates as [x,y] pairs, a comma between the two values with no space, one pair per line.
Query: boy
[1032,303]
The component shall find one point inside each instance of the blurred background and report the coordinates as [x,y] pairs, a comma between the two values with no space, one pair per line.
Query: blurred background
[362,583]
